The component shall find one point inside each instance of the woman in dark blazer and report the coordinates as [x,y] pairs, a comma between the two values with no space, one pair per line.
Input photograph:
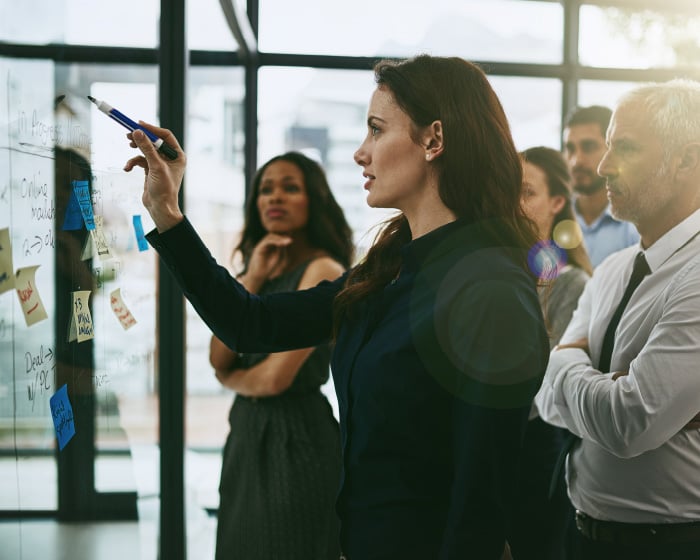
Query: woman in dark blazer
[439,342]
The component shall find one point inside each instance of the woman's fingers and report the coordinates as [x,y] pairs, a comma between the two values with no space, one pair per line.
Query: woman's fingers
[166,135]
[276,240]
[136,161]
[139,140]
[144,144]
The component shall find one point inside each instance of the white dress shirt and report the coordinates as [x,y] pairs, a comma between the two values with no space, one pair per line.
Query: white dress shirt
[636,463]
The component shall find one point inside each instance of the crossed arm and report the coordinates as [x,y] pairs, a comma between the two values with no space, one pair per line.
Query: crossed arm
[582,344]
[637,409]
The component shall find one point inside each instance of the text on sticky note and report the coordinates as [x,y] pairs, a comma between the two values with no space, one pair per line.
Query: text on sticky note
[62,414]
[81,327]
[29,298]
[120,309]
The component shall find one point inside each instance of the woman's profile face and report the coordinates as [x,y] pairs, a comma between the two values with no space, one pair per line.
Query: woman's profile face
[393,163]
[282,202]
[536,201]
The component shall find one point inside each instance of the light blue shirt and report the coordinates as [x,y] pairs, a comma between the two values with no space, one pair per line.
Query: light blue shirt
[606,235]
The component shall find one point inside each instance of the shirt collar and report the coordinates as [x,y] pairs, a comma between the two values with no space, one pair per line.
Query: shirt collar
[608,212]
[606,215]
[418,250]
[672,240]
[462,235]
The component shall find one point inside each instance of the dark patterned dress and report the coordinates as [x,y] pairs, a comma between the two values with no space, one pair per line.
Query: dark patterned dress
[281,465]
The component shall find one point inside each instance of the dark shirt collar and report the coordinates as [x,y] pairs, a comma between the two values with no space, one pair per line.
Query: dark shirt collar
[432,244]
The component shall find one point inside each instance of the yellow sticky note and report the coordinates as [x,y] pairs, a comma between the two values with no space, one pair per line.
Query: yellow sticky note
[7,271]
[29,298]
[100,241]
[120,309]
[81,327]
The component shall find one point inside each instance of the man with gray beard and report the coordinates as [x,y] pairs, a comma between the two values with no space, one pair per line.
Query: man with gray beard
[624,378]
[584,146]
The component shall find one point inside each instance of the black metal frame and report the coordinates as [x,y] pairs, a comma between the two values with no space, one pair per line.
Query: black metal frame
[171,305]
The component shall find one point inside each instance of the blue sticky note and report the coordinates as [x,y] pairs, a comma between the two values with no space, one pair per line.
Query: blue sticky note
[82,193]
[140,237]
[62,413]
[74,217]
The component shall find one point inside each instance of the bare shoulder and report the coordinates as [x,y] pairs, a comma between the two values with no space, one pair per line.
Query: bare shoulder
[320,269]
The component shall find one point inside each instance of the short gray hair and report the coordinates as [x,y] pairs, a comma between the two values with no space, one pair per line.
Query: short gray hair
[674,108]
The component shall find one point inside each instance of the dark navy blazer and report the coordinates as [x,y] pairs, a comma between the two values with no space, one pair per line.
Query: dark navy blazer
[435,377]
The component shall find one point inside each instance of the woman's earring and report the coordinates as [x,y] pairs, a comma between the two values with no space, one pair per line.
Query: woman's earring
[427,157]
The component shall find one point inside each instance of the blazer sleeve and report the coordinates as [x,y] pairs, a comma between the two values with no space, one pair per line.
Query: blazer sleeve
[243,321]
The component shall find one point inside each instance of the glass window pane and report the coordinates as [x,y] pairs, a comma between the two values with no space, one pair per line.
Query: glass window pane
[214,198]
[598,92]
[533,107]
[28,353]
[53,137]
[79,22]
[633,38]
[207,28]
[513,30]
[125,356]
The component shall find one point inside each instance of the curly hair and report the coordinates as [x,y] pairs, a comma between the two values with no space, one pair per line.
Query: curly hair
[327,228]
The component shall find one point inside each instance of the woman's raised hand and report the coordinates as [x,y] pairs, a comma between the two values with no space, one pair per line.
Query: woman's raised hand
[163,176]
[267,261]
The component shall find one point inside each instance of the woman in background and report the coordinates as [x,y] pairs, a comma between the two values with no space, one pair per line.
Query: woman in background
[547,200]
[561,262]
[281,463]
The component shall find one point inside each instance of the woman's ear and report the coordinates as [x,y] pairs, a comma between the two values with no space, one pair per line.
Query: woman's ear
[433,141]
[557,204]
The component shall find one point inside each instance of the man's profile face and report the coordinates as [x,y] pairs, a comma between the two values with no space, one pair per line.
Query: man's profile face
[584,146]
[637,174]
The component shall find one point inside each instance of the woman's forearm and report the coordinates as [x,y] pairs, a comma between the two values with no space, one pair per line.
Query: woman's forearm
[270,377]
[221,357]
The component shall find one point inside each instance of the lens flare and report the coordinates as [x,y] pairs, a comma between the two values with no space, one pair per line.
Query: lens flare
[567,234]
[546,259]
[462,321]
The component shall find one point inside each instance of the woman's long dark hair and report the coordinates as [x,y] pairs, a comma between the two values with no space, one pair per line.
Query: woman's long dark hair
[555,169]
[327,228]
[479,172]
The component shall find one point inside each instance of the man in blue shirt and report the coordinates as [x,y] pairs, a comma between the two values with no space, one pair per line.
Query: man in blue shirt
[584,146]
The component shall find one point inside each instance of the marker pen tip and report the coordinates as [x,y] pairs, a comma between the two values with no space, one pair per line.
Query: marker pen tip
[91,98]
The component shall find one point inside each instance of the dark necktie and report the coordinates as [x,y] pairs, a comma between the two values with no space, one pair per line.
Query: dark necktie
[639,271]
